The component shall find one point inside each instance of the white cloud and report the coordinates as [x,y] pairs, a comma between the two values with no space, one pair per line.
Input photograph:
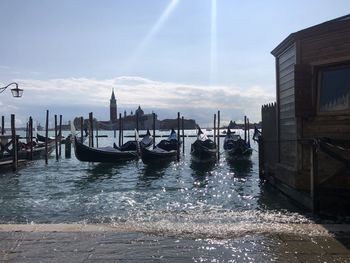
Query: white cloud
[75,95]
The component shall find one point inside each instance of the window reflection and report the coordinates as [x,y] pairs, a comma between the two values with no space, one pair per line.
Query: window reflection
[335,89]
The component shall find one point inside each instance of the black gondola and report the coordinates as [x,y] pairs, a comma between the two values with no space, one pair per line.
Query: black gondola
[165,151]
[49,139]
[38,151]
[157,155]
[103,154]
[236,147]
[146,141]
[43,138]
[24,152]
[203,149]
[128,146]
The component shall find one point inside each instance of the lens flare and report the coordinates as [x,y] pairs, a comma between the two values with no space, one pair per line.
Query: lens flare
[151,34]
[213,43]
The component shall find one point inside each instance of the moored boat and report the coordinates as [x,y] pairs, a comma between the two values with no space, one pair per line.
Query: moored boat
[39,150]
[25,153]
[42,138]
[235,147]
[128,146]
[157,155]
[85,153]
[165,150]
[146,141]
[203,149]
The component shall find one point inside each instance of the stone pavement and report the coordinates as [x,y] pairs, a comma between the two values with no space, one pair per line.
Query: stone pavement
[105,243]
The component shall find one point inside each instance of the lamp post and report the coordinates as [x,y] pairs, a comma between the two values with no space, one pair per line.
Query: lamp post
[16,92]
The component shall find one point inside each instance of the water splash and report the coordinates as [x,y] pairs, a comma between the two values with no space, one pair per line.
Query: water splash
[216,223]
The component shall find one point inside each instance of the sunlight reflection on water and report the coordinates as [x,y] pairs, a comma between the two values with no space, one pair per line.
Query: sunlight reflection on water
[178,198]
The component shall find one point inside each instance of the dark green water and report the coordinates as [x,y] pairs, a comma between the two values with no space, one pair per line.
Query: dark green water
[177,198]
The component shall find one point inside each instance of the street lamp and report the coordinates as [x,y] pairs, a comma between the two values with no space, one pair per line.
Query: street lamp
[16,92]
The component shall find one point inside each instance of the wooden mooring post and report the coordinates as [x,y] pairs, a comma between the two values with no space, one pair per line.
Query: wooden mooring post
[248,131]
[178,136]
[2,125]
[122,127]
[120,130]
[218,136]
[56,138]
[60,138]
[245,128]
[81,129]
[214,134]
[91,130]
[68,148]
[183,134]
[46,137]
[14,143]
[97,134]
[154,130]
[31,137]
[137,122]
[314,177]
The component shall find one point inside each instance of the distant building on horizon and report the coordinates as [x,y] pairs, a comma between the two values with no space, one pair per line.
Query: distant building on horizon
[129,121]
[113,108]
[145,120]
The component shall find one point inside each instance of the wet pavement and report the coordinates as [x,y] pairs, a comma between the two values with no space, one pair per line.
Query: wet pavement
[106,243]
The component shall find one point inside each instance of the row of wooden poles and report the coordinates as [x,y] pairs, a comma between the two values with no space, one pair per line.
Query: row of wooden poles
[121,131]
[58,131]
[29,137]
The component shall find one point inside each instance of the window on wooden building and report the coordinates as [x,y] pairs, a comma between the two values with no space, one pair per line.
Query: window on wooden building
[334,89]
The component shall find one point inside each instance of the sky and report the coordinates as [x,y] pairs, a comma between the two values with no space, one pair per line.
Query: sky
[191,56]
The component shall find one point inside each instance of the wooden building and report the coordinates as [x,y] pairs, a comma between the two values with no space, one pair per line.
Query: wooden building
[306,133]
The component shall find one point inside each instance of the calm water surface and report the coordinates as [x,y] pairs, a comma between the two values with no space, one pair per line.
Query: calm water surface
[178,198]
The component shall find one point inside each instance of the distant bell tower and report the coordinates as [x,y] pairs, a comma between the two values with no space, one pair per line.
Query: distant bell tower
[113,108]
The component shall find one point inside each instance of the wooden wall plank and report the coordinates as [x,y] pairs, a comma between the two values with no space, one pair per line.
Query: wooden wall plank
[287,92]
[287,123]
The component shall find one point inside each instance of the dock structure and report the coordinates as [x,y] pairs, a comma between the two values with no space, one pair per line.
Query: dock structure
[7,153]
[9,148]
[305,144]
[16,150]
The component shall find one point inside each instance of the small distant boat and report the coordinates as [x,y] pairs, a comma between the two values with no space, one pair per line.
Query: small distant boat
[103,154]
[236,147]
[165,150]
[203,149]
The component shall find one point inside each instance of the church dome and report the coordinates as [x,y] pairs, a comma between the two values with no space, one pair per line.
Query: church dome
[139,111]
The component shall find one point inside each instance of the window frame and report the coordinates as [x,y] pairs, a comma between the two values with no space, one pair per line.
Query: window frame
[319,78]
